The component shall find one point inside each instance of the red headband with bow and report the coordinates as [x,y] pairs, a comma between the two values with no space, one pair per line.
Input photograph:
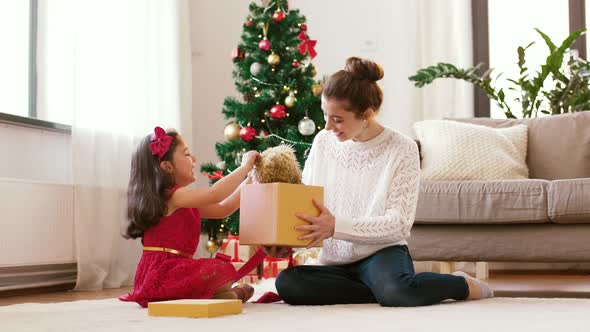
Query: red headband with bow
[160,142]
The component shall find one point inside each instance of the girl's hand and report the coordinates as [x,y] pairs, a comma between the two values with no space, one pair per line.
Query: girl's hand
[250,158]
[278,252]
[321,227]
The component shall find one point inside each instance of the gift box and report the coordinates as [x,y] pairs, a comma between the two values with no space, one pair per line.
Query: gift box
[267,213]
[306,256]
[252,276]
[273,266]
[238,253]
[194,308]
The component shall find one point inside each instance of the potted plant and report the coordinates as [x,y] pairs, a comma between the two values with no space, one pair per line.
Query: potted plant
[561,85]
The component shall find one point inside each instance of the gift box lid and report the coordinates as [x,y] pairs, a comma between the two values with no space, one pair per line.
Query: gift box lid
[194,308]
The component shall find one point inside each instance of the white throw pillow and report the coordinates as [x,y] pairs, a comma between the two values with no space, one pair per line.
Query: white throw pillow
[460,151]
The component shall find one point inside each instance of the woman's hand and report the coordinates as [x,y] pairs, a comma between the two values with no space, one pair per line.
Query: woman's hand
[320,227]
[278,252]
[249,159]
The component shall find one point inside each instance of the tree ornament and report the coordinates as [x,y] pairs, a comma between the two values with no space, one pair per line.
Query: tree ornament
[212,246]
[255,68]
[306,126]
[237,53]
[247,133]
[249,23]
[278,112]
[264,44]
[278,15]
[263,133]
[290,100]
[273,59]
[303,27]
[295,63]
[316,89]
[221,165]
[232,131]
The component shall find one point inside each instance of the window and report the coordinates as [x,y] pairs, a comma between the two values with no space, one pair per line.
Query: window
[14,66]
[500,26]
[27,61]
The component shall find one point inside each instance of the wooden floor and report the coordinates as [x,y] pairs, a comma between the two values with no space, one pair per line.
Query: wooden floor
[504,285]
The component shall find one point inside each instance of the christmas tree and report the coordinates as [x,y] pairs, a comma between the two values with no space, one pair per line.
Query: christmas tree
[280,100]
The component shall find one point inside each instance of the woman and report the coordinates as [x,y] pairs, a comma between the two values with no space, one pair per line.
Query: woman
[370,174]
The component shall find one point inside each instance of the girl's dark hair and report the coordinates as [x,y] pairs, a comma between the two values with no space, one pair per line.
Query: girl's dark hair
[357,84]
[148,186]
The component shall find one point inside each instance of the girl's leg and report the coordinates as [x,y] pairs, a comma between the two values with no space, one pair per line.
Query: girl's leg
[320,285]
[389,273]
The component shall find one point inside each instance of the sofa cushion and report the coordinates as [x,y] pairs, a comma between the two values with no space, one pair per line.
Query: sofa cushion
[569,201]
[483,202]
[460,151]
[558,145]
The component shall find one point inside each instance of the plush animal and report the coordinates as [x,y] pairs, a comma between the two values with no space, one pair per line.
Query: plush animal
[278,164]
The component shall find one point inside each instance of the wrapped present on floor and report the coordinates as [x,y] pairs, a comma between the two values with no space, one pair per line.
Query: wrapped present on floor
[273,266]
[194,308]
[238,253]
[251,278]
[306,256]
[267,213]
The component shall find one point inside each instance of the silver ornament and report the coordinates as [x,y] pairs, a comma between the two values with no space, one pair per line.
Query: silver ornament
[306,126]
[255,68]
[221,165]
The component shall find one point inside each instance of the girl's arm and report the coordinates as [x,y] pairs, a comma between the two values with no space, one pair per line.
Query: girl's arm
[225,208]
[190,198]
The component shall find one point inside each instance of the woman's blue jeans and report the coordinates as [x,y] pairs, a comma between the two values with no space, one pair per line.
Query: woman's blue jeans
[387,277]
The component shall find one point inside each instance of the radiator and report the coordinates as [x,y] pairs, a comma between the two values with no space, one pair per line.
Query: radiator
[36,232]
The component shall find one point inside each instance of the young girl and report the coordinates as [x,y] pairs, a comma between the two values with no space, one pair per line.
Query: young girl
[167,216]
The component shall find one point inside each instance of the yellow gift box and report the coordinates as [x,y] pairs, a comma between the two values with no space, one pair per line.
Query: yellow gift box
[267,213]
[194,308]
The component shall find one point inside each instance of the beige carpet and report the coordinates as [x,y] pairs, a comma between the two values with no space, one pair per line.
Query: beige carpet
[499,314]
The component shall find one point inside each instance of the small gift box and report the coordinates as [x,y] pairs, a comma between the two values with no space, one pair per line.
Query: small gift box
[273,266]
[251,278]
[195,308]
[238,253]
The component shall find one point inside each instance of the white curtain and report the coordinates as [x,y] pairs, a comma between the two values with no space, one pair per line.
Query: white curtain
[445,35]
[128,70]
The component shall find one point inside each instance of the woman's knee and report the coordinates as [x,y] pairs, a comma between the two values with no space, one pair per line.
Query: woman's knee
[289,286]
[398,295]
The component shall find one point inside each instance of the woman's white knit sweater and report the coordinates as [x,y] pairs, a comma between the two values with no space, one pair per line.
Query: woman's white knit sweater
[370,187]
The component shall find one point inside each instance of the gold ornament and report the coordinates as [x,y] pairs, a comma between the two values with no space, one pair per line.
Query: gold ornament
[232,131]
[316,89]
[212,246]
[273,59]
[290,100]
[313,72]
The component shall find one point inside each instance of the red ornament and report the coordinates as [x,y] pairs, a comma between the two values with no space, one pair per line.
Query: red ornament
[249,23]
[304,27]
[263,133]
[247,133]
[278,16]
[237,53]
[295,64]
[278,112]
[264,45]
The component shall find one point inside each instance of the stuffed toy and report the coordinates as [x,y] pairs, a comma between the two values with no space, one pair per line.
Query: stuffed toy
[278,164]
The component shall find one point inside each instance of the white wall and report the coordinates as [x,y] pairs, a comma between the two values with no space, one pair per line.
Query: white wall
[35,154]
[382,30]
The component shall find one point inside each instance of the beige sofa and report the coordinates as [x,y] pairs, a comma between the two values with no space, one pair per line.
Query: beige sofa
[542,219]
